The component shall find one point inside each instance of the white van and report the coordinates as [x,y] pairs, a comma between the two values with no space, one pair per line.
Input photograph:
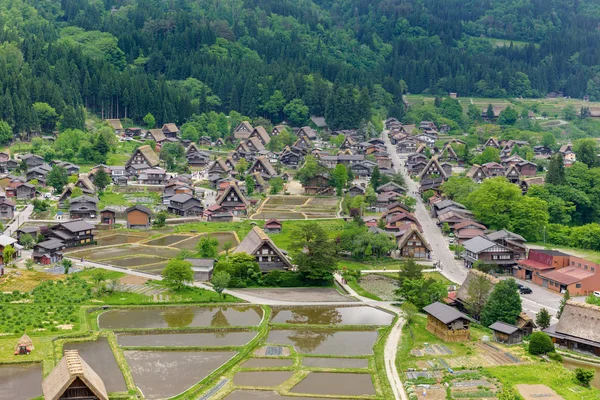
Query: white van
[596,293]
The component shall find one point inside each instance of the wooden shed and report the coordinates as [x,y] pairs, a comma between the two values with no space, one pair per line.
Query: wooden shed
[138,216]
[108,216]
[24,345]
[447,323]
[506,333]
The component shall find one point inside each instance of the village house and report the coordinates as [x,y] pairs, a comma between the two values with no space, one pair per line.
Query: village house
[7,209]
[198,159]
[261,134]
[506,333]
[73,379]
[116,125]
[290,158]
[242,131]
[433,175]
[308,132]
[303,143]
[492,142]
[134,131]
[170,130]
[71,169]
[268,256]
[48,252]
[413,245]
[72,233]
[233,200]
[6,241]
[356,190]
[263,167]
[468,229]
[83,207]
[577,328]
[488,252]
[277,130]
[463,298]
[511,240]
[185,205]
[406,146]
[39,173]
[447,323]
[438,207]
[157,135]
[204,141]
[216,213]
[32,160]
[218,167]
[108,216]
[319,122]
[319,184]
[273,226]
[22,191]
[138,216]
[142,158]
[153,176]
[85,184]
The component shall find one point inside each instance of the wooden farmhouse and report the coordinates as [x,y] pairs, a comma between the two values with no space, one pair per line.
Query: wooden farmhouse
[578,328]
[268,256]
[72,379]
[506,333]
[447,323]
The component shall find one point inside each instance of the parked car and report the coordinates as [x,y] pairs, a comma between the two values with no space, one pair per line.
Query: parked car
[525,290]
[596,293]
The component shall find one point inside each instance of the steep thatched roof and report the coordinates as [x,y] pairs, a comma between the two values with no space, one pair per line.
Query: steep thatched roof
[26,341]
[463,292]
[580,320]
[254,240]
[71,367]
[148,154]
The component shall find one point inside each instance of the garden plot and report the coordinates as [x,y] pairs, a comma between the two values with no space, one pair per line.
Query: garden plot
[432,350]
[485,355]
[381,286]
[297,207]
[109,253]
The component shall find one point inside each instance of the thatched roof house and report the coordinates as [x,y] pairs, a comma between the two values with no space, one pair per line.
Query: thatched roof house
[463,291]
[73,378]
[268,256]
[578,327]
[24,345]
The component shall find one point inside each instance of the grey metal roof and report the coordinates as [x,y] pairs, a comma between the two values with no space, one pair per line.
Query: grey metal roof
[504,234]
[504,328]
[201,262]
[478,244]
[77,226]
[444,313]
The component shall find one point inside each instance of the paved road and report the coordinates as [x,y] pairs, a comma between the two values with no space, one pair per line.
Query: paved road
[451,269]
[20,218]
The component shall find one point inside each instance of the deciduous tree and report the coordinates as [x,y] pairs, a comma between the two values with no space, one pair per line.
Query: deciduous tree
[177,273]
[504,304]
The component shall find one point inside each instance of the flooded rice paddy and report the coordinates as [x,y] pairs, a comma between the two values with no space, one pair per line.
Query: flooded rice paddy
[341,384]
[112,240]
[363,315]
[164,374]
[204,339]
[330,342]
[180,317]
[262,378]
[20,381]
[166,240]
[268,363]
[99,356]
[134,261]
[335,362]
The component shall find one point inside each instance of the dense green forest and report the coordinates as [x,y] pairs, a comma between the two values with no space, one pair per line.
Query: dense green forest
[345,59]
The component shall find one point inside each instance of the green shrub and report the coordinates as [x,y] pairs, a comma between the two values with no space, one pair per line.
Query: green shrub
[540,343]
[555,356]
[584,376]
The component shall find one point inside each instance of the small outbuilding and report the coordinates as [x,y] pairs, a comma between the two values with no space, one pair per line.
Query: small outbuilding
[506,333]
[447,323]
[273,226]
[108,216]
[138,216]
[202,267]
[24,345]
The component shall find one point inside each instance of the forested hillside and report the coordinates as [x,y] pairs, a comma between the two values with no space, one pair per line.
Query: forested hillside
[344,59]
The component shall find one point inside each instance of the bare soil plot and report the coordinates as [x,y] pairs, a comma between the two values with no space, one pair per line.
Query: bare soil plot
[431,393]
[536,392]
